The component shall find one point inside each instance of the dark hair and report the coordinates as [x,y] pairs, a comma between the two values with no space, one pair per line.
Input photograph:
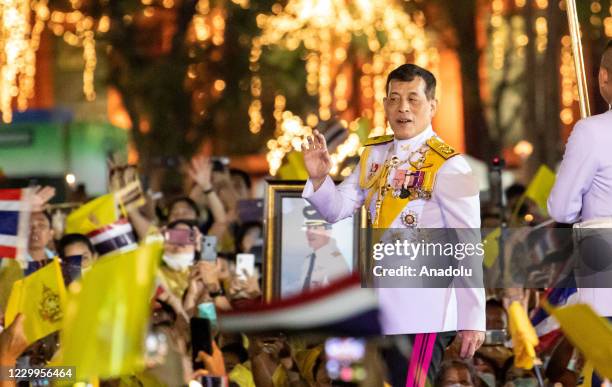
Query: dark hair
[495,303]
[186,200]
[243,175]
[450,364]
[70,239]
[609,45]
[408,72]
[186,222]
[238,350]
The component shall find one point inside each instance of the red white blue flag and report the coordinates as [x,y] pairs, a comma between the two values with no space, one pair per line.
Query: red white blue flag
[14,222]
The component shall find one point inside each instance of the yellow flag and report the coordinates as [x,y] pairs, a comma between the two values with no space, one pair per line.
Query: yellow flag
[93,215]
[10,271]
[293,168]
[540,186]
[41,297]
[524,337]
[107,314]
[588,332]
[491,247]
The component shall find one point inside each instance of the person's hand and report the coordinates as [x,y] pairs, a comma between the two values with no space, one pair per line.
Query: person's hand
[213,364]
[470,342]
[40,197]
[200,171]
[245,287]
[210,277]
[516,294]
[316,158]
[12,342]
[196,293]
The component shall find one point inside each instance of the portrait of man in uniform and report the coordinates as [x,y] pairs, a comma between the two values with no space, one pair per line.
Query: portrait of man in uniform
[306,252]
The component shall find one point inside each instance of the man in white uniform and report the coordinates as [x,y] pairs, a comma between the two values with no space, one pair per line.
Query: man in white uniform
[583,193]
[326,263]
[409,180]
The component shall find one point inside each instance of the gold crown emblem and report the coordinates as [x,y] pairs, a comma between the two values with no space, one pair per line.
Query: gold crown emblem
[50,308]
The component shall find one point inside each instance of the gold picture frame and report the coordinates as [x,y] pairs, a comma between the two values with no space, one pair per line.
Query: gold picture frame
[275,262]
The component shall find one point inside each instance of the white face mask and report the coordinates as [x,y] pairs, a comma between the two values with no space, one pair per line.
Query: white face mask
[178,261]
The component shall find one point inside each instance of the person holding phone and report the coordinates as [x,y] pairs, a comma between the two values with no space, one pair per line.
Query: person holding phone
[182,241]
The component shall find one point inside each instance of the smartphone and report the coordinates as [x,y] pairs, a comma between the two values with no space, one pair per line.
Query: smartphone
[209,248]
[180,236]
[71,268]
[495,337]
[245,262]
[201,340]
[220,164]
[345,359]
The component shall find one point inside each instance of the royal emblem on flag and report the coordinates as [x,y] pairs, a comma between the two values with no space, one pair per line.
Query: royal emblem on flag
[50,308]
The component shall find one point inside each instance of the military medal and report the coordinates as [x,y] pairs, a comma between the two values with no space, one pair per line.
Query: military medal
[409,218]
[373,170]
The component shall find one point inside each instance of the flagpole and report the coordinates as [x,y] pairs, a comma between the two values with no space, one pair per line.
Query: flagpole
[574,29]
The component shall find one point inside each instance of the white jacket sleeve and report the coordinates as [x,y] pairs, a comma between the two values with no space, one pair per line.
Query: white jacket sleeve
[457,192]
[575,176]
[336,202]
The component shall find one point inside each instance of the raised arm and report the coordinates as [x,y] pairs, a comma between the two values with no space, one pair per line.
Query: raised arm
[334,203]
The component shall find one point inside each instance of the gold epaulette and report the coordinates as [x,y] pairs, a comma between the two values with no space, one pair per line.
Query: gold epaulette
[441,147]
[378,140]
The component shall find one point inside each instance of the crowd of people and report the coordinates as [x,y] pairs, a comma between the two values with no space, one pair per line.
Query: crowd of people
[185,281]
[198,276]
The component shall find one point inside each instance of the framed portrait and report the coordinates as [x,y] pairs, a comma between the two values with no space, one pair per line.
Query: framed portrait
[302,250]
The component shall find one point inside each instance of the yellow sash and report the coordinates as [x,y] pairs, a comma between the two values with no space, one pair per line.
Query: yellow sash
[387,206]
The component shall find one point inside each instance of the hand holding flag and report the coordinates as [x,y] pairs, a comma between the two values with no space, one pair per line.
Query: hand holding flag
[524,338]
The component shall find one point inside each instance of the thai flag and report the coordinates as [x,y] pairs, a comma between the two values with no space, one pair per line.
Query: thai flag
[114,238]
[547,328]
[342,308]
[14,222]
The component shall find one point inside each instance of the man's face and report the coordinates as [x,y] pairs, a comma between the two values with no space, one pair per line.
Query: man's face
[41,232]
[457,376]
[605,84]
[317,236]
[496,318]
[408,110]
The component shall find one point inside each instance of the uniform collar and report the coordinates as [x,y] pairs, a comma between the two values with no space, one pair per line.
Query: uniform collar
[401,147]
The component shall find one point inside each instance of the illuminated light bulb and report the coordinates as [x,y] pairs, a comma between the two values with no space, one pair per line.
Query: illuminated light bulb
[219,85]
[70,178]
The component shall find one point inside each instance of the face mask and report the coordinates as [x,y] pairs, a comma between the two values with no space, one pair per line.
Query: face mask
[488,378]
[179,261]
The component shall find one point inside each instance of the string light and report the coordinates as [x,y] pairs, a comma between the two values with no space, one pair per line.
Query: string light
[19,43]
[541,28]
[498,36]
[569,88]
[326,29]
